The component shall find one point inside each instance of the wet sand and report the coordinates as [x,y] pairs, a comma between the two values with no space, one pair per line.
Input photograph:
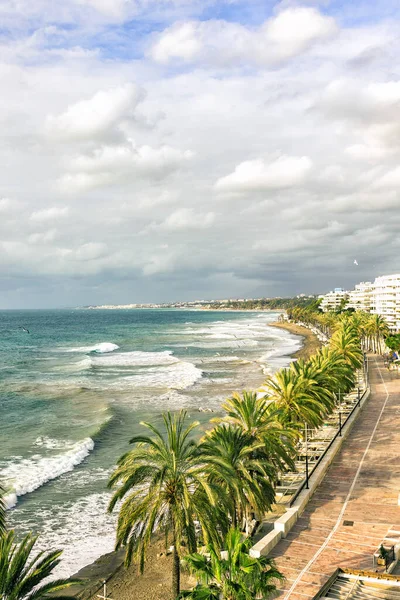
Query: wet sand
[310,341]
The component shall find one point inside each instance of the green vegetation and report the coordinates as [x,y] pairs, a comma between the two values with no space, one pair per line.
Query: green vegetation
[234,576]
[21,573]
[393,342]
[206,494]
[268,304]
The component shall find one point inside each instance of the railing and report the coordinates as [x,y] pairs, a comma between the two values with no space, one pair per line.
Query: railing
[319,441]
[337,434]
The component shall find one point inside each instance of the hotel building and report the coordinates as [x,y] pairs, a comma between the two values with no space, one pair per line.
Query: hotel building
[385,299]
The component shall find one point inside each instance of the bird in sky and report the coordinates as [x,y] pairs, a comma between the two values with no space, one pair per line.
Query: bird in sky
[355,262]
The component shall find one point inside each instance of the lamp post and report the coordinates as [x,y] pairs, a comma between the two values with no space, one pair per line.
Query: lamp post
[306,446]
[358,396]
[340,416]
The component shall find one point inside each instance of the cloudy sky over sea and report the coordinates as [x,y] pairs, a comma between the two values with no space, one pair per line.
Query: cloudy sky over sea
[152,150]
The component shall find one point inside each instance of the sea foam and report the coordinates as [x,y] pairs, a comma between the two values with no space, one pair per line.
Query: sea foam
[101,348]
[177,376]
[24,476]
[135,359]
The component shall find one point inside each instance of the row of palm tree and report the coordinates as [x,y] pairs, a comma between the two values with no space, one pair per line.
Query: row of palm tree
[205,491]
[372,328]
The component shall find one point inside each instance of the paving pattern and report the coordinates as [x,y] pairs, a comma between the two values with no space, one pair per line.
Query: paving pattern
[361,486]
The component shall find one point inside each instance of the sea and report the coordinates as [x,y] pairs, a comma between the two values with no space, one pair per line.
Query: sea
[75,386]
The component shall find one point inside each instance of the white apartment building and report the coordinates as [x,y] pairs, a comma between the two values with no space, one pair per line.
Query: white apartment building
[385,300]
[361,297]
[332,300]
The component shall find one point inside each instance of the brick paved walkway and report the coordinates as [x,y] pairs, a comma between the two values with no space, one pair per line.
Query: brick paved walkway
[362,485]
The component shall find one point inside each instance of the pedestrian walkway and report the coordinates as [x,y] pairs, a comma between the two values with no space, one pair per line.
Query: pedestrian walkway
[356,505]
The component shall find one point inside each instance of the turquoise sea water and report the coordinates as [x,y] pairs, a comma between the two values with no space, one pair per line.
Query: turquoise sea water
[73,392]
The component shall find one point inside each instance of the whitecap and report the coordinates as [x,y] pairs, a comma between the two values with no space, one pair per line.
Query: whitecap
[101,348]
[127,359]
[24,476]
[177,376]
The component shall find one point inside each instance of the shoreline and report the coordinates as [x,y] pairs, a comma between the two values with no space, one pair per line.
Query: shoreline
[310,342]
[155,583]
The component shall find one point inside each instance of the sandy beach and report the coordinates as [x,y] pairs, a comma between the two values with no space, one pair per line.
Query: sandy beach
[310,341]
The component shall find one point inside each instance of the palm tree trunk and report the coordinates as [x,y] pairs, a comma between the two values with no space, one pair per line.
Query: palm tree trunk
[176,574]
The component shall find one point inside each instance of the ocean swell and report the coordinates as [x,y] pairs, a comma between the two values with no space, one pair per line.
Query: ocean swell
[26,475]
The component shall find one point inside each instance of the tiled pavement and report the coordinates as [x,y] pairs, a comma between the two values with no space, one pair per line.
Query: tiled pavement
[362,485]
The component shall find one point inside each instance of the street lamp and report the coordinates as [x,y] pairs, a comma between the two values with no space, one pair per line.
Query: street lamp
[340,416]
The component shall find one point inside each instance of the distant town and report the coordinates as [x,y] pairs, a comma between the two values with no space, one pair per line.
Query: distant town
[231,303]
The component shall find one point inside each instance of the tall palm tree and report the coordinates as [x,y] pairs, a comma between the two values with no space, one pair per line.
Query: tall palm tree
[336,373]
[255,416]
[232,575]
[294,399]
[312,378]
[21,573]
[380,330]
[234,462]
[346,341]
[163,486]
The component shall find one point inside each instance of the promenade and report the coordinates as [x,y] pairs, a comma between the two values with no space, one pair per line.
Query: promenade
[356,505]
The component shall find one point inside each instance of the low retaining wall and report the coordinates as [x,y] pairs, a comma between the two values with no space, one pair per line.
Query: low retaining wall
[284,524]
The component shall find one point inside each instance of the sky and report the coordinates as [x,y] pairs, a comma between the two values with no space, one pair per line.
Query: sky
[161,150]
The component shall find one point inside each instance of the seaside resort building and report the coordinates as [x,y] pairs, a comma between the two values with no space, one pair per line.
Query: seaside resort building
[382,297]
[360,298]
[332,300]
[386,299]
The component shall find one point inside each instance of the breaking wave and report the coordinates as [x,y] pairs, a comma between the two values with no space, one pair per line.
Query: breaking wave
[26,475]
[101,348]
[135,359]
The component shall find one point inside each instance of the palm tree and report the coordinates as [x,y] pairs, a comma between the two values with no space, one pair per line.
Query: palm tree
[337,374]
[312,377]
[254,416]
[295,399]
[21,574]
[234,462]
[233,574]
[164,487]
[380,330]
[346,341]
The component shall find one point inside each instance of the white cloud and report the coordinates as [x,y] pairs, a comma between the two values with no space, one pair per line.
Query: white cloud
[260,175]
[391,179]
[111,164]
[97,117]
[183,219]
[7,205]
[43,238]
[281,37]
[50,214]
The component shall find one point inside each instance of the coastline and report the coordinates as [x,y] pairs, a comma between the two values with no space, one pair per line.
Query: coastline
[309,340]
[126,583]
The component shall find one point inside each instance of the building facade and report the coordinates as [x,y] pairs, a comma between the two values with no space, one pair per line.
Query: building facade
[385,299]
[333,300]
[361,297]
[382,297]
